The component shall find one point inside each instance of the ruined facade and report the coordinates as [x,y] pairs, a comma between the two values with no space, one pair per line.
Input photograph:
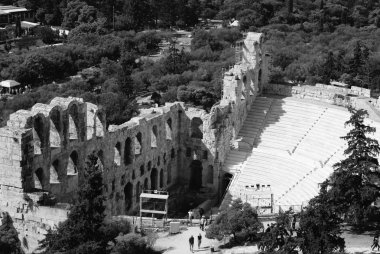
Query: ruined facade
[42,150]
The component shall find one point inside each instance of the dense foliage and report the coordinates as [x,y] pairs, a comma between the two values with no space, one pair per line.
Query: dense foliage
[309,41]
[239,220]
[354,184]
[86,230]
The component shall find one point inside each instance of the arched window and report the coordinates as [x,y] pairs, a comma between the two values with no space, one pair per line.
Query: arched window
[169,129]
[55,128]
[146,184]
[39,140]
[73,122]
[72,166]
[172,153]
[149,165]
[142,170]
[128,195]
[205,155]
[196,128]
[154,136]
[99,131]
[138,144]
[153,179]
[127,151]
[39,179]
[54,169]
[117,154]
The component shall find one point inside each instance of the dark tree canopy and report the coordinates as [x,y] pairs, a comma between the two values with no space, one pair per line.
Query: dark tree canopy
[239,219]
[9,241]
[354,182]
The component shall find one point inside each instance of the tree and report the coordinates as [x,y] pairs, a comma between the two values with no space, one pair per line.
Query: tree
[72,13]
[277,237]
[328,69]
[46,34]
[320,230]
[9,241]
[354,181]
[138,14]
[132,244]
[81,231]
[239,220]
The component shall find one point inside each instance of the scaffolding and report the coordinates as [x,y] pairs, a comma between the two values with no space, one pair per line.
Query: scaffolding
[154,202]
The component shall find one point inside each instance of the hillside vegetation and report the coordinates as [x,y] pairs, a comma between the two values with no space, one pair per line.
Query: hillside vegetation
[309,42]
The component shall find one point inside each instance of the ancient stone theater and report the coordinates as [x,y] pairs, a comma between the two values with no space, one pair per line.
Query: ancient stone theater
[270,145]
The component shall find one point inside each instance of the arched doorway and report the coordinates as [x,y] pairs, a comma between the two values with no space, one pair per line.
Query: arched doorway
[196,174]
[128,195]
[226,181]
[153,179]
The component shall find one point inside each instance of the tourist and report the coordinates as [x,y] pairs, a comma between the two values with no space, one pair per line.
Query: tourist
[375,242]
[191,243]
[191,217]
[199,240]
[294,222]
[202,223]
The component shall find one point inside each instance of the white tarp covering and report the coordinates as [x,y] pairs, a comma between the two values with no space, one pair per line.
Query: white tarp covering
[9,83]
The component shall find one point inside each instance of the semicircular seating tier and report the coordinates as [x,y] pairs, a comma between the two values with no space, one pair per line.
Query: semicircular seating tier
[287,147]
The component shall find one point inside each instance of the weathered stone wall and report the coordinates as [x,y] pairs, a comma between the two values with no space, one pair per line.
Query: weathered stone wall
[326,93]
[43,150]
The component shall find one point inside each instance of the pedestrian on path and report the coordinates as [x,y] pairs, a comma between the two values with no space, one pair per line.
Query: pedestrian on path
[202,223]
[199,240]
[191,217]
[191,243]
[375,242]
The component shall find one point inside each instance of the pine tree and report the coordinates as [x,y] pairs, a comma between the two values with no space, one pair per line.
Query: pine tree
[353,183]
[9,241]
[329,69]
[320,226]
[357,61]
[82,230]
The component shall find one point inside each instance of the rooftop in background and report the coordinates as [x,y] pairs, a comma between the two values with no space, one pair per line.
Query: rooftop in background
[7,9]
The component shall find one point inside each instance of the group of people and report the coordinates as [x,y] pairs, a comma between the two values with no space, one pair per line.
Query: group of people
[14,91]
[191,242]
[203,219]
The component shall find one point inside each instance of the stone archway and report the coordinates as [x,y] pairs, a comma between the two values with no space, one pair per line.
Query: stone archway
[128,196]
[196,174]
[226,181]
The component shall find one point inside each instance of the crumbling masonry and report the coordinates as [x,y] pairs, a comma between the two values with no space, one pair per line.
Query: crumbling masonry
[43,150]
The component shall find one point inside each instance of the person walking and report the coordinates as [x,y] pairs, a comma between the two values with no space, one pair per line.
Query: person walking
[202,223]
[191,217]
[199,240]
[191,243]
[375,242]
